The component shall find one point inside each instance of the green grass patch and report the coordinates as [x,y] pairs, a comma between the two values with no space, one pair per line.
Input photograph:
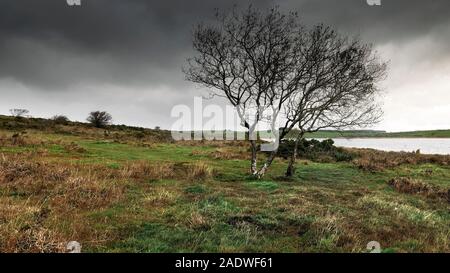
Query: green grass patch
[196,189]
[264,185]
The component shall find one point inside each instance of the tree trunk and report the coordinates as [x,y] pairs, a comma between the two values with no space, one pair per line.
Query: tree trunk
[291,166]
[266,165]
[254,148]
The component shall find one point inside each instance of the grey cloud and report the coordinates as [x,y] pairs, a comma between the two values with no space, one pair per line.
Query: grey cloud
[393,20]
[52,52]
[51,45]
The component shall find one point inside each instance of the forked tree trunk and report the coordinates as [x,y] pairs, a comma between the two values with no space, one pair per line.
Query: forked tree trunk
[266,165]
[258,174]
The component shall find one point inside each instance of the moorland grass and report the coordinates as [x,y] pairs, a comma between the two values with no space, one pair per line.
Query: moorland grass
[138,196]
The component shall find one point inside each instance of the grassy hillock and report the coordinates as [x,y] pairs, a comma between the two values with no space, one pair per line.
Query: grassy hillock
[126,189]
[86,130]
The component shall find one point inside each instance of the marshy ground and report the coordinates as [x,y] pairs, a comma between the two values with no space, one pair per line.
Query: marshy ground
[127,191]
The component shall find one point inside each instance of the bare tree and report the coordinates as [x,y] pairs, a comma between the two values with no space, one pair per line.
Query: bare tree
[18,112]
[60,119]
[261,62]
[99,119]
[340,90]
[253,59]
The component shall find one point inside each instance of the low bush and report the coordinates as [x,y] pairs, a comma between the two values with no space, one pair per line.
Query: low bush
[414,186]
[315,150]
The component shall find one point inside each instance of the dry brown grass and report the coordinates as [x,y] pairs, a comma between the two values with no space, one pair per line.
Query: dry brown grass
[199,171]
[43,203]
[197,221]
[372,160]
[214,143]
[84,193]
[36,194]
[199,153]
[74,148]
[18,139]
[22,228]
[65,185]
[226,150]
[146,170]
[228,153]
[160,197]
[414,186]
[224,153]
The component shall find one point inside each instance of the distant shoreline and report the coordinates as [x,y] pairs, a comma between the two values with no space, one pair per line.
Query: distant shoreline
[377,134]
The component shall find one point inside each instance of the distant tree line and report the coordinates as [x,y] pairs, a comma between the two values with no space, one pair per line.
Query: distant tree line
[98,119]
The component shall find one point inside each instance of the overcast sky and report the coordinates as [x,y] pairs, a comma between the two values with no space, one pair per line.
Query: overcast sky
[125,56]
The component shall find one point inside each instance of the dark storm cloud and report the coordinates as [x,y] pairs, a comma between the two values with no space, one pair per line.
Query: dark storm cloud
[393,20]
[47,43]
[50,45]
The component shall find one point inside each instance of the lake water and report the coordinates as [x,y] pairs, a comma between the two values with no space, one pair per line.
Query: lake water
[426,145]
